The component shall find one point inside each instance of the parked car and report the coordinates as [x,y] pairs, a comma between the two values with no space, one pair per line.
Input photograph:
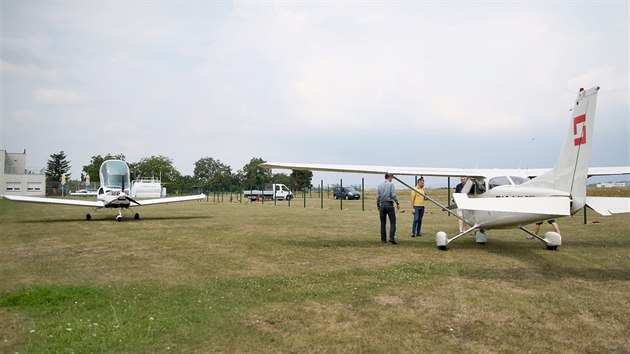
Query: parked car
[346,193]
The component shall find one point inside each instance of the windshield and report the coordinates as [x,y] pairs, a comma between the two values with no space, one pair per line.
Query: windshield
[115,173]
[498,181]
[518,180]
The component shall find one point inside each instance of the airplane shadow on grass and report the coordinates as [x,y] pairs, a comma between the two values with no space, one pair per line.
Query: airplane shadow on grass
[538,265]
[108,219]
[537,262]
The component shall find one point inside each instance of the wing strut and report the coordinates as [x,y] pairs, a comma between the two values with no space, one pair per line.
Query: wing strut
[430,199]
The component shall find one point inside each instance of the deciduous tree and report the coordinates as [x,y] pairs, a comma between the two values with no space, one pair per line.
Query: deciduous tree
[301,179]
[213,174]
[93,168]
[255,176]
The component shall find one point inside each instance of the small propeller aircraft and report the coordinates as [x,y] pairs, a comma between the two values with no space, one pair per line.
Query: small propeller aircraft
[499,198]
[113,193]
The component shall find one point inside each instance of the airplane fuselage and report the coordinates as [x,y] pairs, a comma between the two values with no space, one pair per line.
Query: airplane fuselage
[511,206]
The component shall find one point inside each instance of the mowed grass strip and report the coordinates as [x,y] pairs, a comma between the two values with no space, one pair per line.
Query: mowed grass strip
[238,277]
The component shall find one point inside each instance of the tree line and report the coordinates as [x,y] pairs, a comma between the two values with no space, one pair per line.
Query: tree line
[209,174]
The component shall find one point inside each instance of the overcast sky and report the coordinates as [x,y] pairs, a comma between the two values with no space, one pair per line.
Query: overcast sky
[414,83]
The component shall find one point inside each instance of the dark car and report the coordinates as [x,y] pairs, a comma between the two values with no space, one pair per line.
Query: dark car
[346,193]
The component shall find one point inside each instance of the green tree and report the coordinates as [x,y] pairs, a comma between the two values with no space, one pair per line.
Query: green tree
[301,179]
[157,166]
[188,184]
[237,181]
[213,174]
[282,178]
[93,168]
[255,176]
[58,165]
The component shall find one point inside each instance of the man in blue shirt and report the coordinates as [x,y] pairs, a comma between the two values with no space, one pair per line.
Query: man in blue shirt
[385,199]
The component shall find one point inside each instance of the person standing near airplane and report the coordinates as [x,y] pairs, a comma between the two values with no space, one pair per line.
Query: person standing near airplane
[551,222]
[418,196]
[385,199]
[458,189]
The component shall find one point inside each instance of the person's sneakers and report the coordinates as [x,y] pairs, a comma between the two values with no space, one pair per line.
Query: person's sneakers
[412,235]
[393,242]
[419,235]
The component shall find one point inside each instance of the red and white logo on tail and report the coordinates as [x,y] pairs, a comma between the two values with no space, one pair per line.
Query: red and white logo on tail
[579,130]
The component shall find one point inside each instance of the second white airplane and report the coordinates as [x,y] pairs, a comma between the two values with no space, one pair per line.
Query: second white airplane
[113,193]
[496,199]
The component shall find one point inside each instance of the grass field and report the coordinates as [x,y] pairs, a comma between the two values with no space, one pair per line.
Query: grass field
[241,277]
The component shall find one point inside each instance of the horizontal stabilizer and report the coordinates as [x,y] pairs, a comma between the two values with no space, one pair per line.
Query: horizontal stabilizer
[609,205]
[557,206]
[75,202]
[609,171]
[171,199]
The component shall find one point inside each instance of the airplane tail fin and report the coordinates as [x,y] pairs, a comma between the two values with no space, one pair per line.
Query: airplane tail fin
[570,173]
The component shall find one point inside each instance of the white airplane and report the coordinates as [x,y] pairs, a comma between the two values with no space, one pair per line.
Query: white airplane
[113,193]
[501,198]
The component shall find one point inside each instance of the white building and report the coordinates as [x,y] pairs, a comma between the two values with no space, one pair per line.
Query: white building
[611,185]
[17,179]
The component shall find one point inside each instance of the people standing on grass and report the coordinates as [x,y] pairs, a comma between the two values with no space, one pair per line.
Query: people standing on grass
[418,196]
[385,199]
[460,214]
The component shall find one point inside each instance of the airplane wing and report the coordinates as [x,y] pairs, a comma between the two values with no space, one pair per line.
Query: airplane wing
[438,172]
[607,206]
[170,199]
[396,170]
[559,206]
[85,203]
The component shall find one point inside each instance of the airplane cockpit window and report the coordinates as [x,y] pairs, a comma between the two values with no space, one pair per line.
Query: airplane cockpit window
[114,174]
[478,186]
[518,180]
[498,181]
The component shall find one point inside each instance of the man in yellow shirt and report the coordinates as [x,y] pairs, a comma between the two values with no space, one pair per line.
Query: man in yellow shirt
[417,208]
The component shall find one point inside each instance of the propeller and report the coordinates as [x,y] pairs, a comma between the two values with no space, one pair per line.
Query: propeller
[123,191]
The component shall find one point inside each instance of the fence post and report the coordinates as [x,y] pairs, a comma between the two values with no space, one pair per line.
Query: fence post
[341,196]
[321,194]
[362,193]
[448,194]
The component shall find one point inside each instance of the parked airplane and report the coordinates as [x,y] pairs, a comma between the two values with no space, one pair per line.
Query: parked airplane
[509,198]
[113,193]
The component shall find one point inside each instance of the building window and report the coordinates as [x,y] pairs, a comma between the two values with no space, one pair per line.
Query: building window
[14,186]
[34,187]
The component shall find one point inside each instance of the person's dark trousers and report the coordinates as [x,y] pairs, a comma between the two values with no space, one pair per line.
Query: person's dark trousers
[387,210]
[416,228]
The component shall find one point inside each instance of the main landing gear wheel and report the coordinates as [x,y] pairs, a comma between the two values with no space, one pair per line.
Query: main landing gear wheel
[136,216]
[441,240]
[88,217]
[480,237]
[553,240]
